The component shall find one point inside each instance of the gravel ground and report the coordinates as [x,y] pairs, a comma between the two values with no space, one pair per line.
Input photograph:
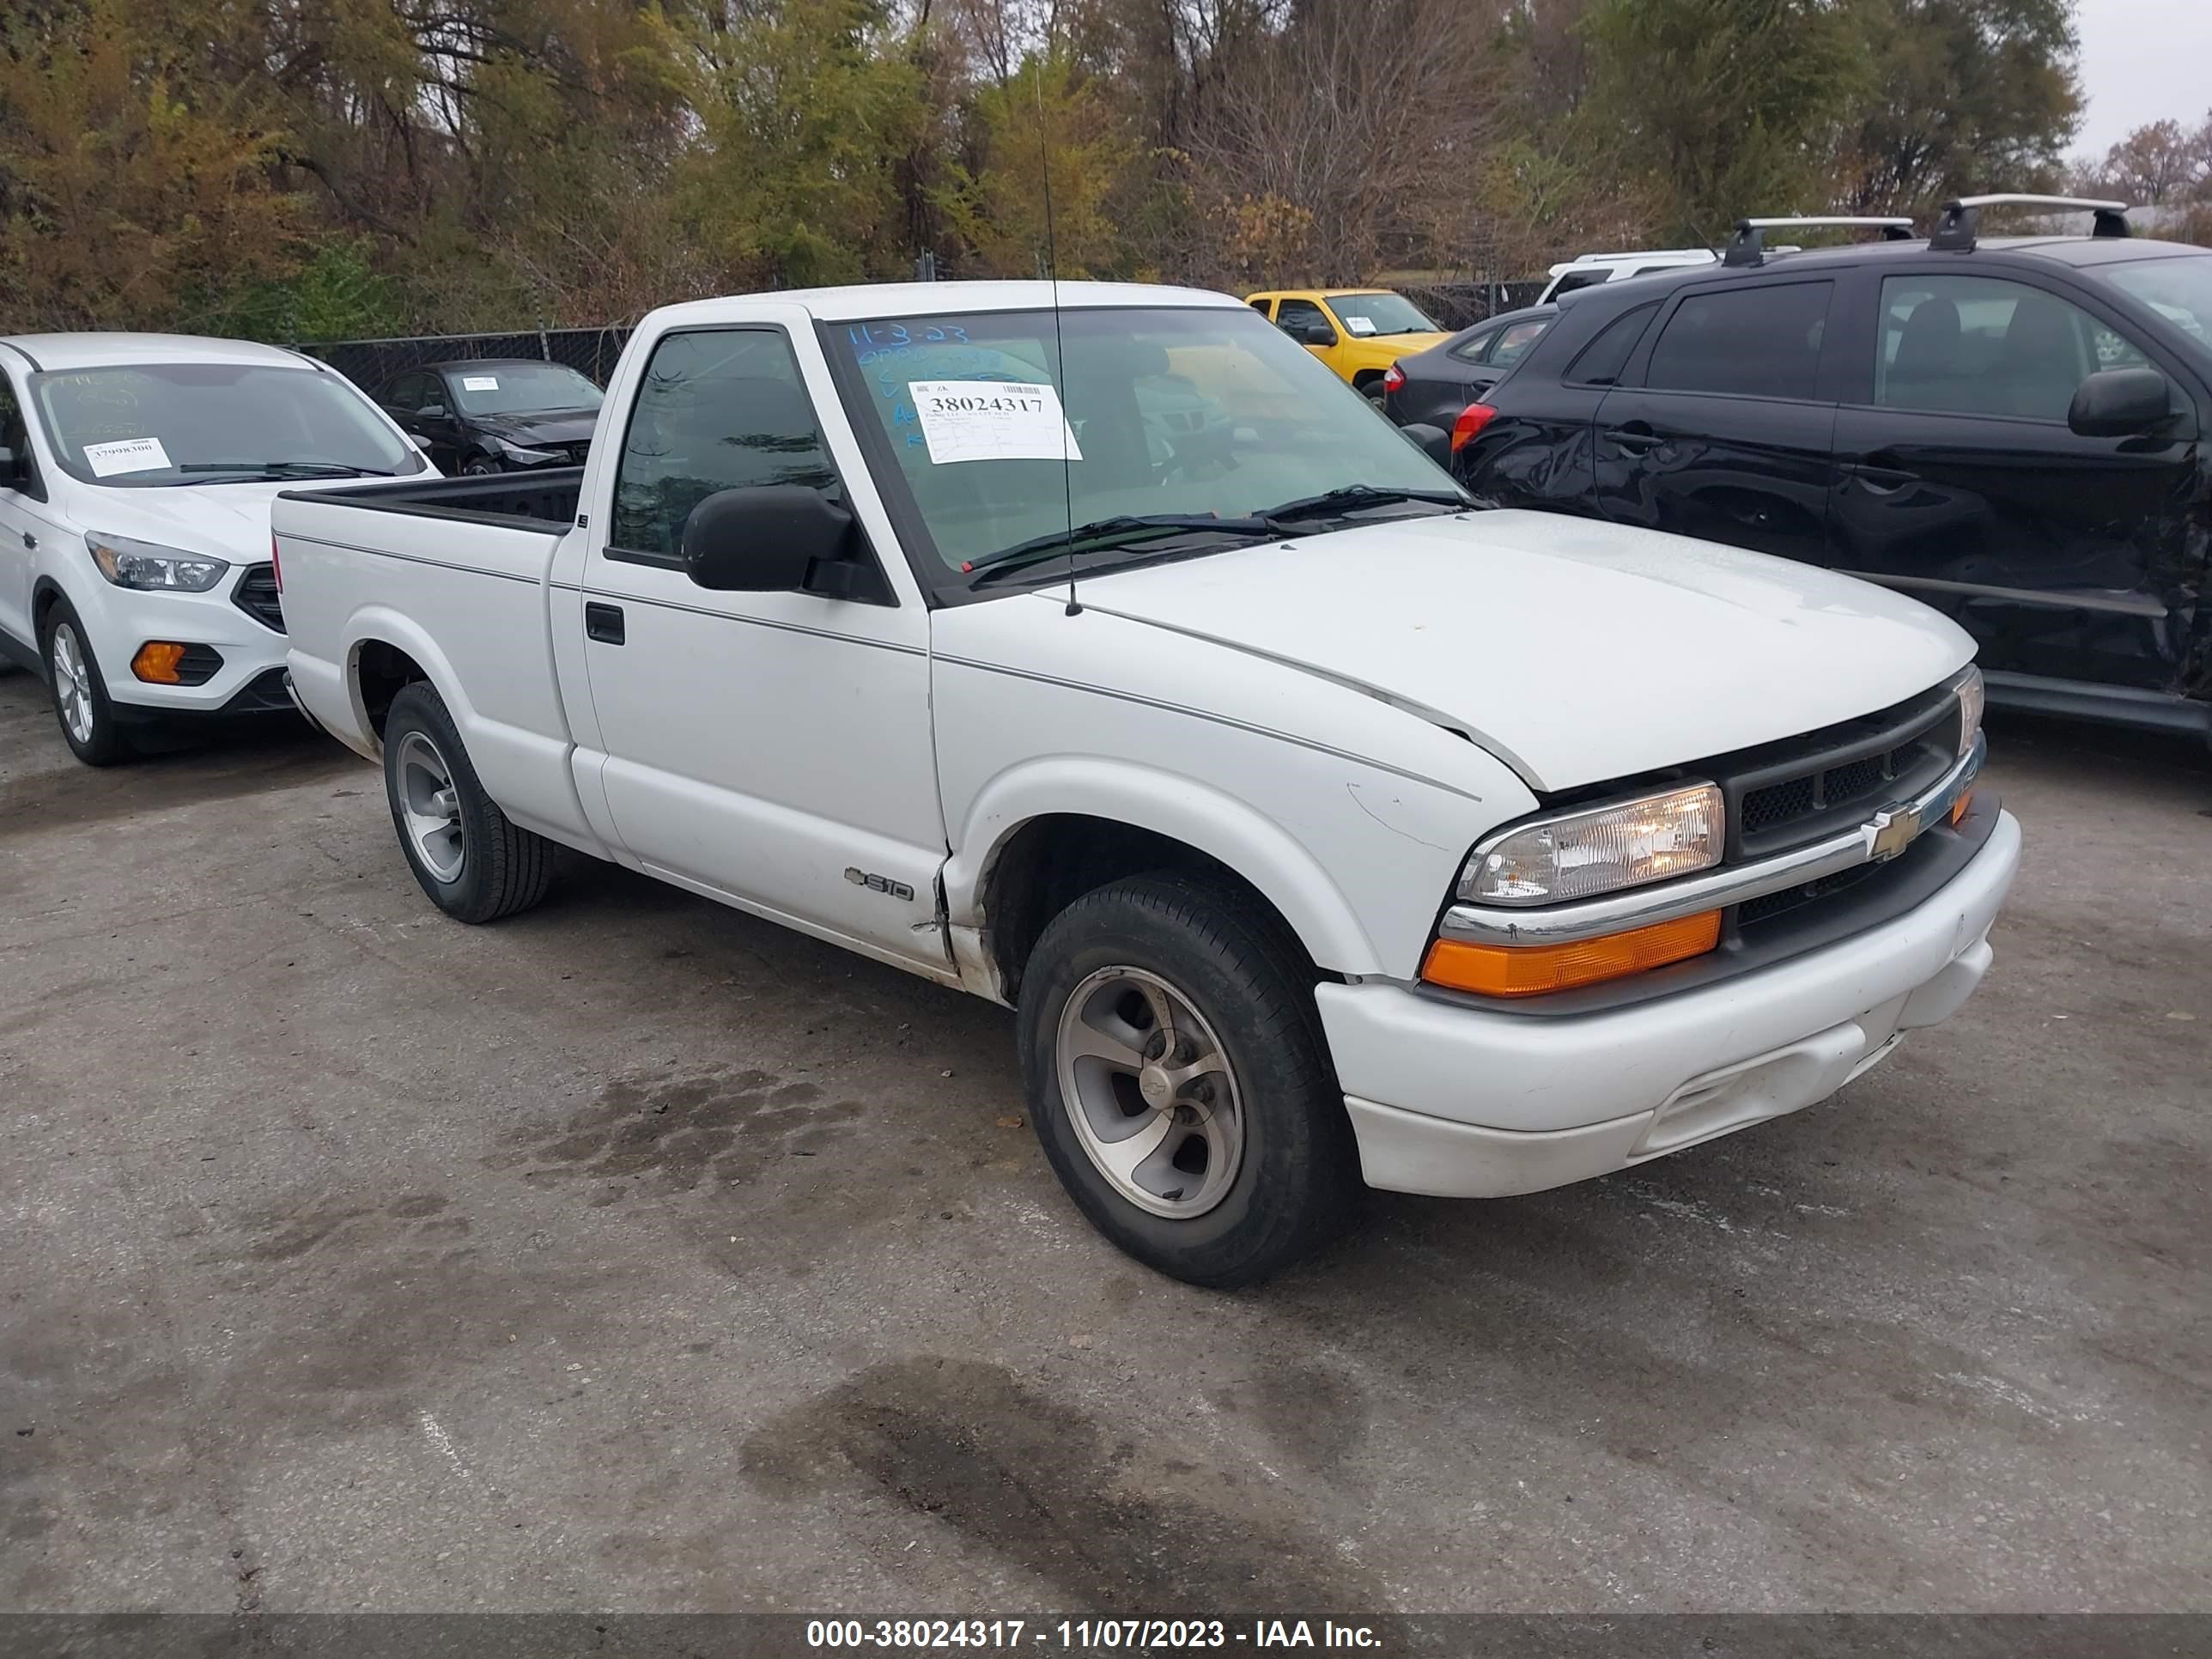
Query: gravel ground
[636,1255]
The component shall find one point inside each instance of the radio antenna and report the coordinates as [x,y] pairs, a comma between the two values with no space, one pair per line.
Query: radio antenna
[1059,345]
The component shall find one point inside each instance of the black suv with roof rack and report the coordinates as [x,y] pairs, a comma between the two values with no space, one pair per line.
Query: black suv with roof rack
[2010,430]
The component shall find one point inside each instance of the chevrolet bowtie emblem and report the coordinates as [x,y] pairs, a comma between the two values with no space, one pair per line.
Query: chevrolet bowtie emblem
[1890,831]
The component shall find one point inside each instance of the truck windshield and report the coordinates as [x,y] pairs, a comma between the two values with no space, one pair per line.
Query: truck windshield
[1189,413]
[153,424]
[1380,313]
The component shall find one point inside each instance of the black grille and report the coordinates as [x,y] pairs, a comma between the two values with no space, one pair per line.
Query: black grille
[1778,803]
[256,595]
[1753,911]
[1787,795]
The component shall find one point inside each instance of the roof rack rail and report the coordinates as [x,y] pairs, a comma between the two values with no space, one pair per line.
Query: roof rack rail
[1748,245]
[1954,232]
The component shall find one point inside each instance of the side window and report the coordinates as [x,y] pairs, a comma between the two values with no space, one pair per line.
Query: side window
[718,410]
[1473,350]
[1513,343]
[1600,362]
[1761,342]
[1981,345]
[16,439]
[1575,279]
[1296,317]
[1261,306]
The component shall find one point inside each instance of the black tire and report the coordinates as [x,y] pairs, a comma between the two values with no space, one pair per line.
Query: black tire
[480,466]
[1234,961]
[503,869]
[104,741]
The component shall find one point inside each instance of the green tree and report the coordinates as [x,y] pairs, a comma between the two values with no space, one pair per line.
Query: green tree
[1966,95]
[1730,105]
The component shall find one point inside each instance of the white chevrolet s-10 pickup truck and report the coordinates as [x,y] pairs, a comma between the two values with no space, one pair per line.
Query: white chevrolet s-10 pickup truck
[1096,651]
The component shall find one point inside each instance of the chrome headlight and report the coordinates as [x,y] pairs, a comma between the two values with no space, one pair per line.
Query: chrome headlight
[150,566]
[1969,710]
[1580,855]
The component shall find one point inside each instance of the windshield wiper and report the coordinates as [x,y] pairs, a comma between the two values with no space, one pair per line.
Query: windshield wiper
[256,472]
[1101,534]
[1356,498]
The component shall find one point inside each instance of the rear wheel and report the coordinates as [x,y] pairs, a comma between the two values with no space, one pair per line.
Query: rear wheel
[1178,1082]
[473,863]
[80,705]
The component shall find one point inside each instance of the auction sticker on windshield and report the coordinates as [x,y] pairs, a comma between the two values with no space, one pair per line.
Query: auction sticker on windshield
[1362,326]
[992,421]
[480,382]
[126,455]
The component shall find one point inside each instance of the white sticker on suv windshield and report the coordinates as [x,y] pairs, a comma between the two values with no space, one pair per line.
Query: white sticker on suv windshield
[1361,326]
[992,421]
[480,382]
[126,455]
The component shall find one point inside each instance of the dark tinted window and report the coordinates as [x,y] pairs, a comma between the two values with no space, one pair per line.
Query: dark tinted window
[718,410]
[1575,279]
[16,439]
[1261,306]
[1293,316]
[1600,361]
[1747,342]
[1980,345]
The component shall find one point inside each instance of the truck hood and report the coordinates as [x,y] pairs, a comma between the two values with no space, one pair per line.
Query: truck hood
[223,520]
[1573,650]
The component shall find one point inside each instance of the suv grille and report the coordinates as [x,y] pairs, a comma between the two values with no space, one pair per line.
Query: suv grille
[256,595]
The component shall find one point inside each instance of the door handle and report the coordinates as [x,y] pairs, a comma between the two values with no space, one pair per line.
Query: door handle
[603,623]
[1636,438]
[1883,480]
[30,541]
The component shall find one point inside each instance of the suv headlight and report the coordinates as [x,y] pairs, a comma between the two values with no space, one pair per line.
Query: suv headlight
[147,565]
[526,457]
[1580,855]
[1969,710]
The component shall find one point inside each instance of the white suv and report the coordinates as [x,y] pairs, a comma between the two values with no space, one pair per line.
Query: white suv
[136,474]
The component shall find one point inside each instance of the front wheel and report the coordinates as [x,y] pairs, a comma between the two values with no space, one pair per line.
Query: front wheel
[81,704]
[1178,1082]
[473,863]
[480,466]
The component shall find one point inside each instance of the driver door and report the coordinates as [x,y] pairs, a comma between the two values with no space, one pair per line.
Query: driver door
[769,750]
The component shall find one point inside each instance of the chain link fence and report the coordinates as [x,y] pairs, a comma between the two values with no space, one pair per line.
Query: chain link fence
[369,364]
[1462,305]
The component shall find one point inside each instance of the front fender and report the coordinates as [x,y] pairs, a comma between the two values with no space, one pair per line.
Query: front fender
[1217,825]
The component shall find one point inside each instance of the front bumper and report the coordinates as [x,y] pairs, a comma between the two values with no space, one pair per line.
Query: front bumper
[120,620]
[1461,1102]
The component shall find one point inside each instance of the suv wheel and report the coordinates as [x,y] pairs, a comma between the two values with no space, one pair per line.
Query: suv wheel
[1177,1080]
[473,863]
[81,704]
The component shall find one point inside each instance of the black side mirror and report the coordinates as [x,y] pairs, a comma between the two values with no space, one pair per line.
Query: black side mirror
[768,539]
[1432,441]
[2121,403]
[1314,332]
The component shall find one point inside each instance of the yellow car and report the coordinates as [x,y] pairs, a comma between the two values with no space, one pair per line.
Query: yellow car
[1358,332]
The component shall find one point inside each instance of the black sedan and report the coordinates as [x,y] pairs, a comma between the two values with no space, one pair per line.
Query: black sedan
[1432,387]
[494,414]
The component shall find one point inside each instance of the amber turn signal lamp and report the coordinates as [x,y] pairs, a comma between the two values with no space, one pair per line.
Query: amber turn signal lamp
[157,661]
[1528,970]
[1959,811]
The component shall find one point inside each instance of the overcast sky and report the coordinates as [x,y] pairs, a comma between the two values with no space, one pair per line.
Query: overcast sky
[2142,61]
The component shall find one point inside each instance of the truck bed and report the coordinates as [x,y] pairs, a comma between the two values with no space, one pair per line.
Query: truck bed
[538,500]
[365,569]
